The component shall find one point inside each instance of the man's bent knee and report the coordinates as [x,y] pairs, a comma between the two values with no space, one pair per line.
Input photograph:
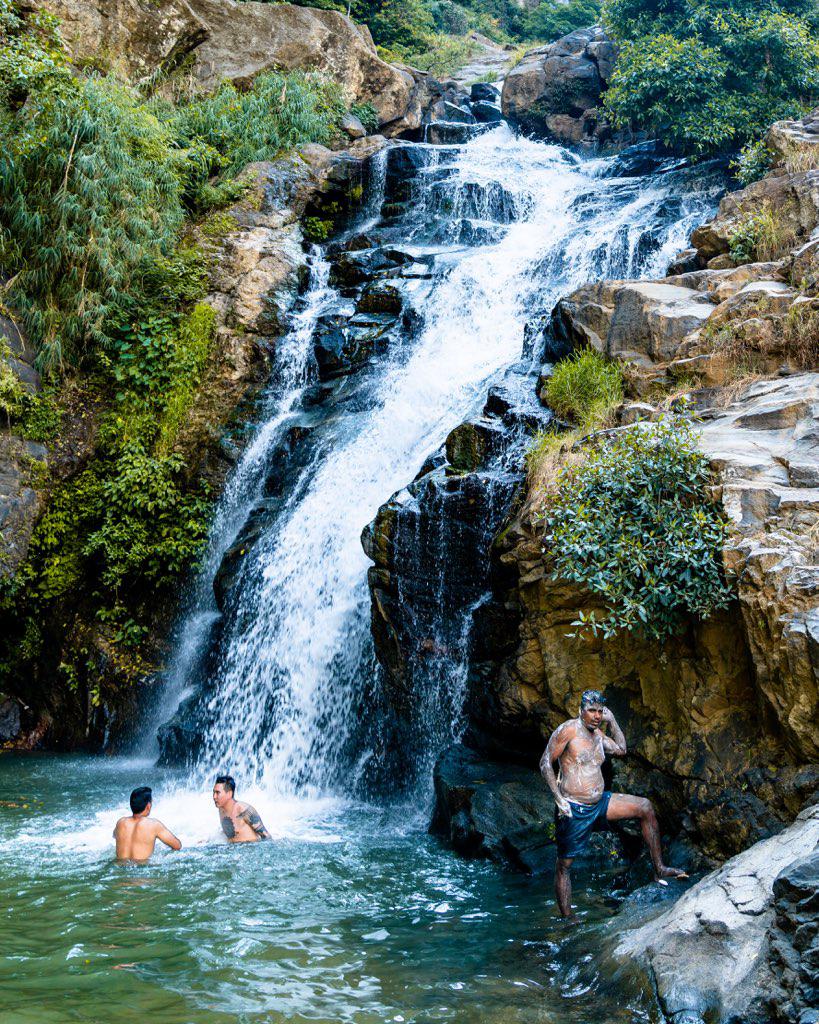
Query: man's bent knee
[564,863]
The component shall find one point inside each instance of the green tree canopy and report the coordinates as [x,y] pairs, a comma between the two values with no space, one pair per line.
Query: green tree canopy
[711,75]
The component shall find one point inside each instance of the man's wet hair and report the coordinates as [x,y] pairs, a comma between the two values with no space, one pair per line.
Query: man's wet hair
[227,781]
[591,697]
[140,798]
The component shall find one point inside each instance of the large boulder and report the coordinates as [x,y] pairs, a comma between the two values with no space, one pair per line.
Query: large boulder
[789,201]
[555,90]
[222,40]
[794,145]
[793,942]
[741,944]
[642,321]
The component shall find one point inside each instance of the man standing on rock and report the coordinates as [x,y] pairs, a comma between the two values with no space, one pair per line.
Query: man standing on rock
[583,805]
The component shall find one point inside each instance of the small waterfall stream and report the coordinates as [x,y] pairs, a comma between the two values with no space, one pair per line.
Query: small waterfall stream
[490,233]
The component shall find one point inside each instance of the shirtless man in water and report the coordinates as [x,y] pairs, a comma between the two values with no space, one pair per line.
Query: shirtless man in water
[136,835]
[583,805]
[240,822]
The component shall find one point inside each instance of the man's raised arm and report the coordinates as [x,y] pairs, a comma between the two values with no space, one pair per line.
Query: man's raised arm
[616,743]
[167,837]
[558,742]
[253,818]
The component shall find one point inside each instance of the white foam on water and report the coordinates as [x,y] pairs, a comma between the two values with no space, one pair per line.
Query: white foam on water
[191,815]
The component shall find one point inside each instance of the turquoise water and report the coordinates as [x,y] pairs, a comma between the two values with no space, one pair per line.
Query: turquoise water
[352,913]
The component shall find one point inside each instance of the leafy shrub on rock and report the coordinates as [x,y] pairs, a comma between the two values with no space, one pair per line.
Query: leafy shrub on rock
[632,523]
[584,388]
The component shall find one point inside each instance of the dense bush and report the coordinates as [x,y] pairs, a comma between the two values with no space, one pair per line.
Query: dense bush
[711,75]
[584,388]
[631,523]
[232,128]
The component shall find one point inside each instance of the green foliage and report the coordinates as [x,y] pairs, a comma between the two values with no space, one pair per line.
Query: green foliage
[753,162]
[761,236]
[40,417]
[710,75]
[584,388]
[316,229]
[552,19]
[632,524]
[280,112]
[88,193]
[367,115]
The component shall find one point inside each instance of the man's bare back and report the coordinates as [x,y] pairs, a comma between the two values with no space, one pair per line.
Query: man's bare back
[136,835]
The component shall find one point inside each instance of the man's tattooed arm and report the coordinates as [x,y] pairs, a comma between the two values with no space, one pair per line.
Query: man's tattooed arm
[252,817]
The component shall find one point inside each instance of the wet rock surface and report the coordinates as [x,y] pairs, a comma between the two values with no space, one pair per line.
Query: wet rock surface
[740,945]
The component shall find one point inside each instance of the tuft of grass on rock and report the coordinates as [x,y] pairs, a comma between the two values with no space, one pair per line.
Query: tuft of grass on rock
[585,388]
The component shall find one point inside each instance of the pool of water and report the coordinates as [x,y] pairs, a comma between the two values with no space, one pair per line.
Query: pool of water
[353,913]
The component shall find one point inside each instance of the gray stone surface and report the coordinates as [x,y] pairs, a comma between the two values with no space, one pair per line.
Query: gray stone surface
[708,954]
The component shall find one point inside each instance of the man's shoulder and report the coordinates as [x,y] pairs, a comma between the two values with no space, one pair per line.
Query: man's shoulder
[567,729]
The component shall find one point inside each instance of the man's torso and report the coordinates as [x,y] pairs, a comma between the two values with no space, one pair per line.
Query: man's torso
[135,838]
[235,827]
[581,779]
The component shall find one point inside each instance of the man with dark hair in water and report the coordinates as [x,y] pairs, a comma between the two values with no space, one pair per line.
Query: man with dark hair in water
[240,822]
[583,805]
[136,835]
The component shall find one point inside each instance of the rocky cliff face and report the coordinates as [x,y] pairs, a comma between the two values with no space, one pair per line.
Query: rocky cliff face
[217,40]
[719,718]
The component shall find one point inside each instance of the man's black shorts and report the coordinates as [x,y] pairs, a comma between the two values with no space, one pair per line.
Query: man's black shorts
[572,834]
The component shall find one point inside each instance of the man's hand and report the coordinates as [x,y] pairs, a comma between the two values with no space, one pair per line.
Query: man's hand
[608,717]
[564,808]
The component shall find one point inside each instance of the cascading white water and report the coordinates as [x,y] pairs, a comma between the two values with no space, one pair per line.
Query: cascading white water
[244,484]
[298,647]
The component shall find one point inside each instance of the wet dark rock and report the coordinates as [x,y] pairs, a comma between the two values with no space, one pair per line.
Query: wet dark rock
[342,344]
[443,133]
[472,445]
[486,113]
[456,114]
[484,91]
[10,721]
[502,811]
[358,267]
[684,262]
[641,159]
[380,297]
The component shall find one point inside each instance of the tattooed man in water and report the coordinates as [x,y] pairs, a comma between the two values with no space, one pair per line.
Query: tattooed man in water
[240,822]
[582,804]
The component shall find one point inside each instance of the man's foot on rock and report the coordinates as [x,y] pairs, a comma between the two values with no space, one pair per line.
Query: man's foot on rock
[665,873]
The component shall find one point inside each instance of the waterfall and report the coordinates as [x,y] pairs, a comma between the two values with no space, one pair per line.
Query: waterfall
[491,233]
